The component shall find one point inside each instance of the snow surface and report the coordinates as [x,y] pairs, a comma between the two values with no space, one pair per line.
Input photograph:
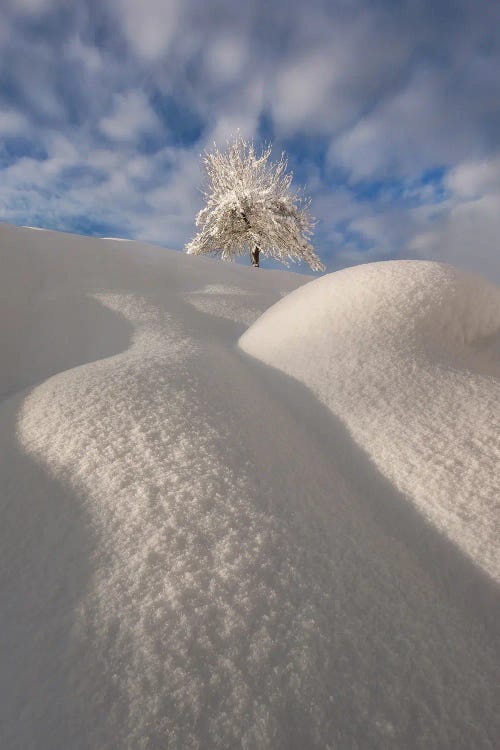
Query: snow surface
[195,551]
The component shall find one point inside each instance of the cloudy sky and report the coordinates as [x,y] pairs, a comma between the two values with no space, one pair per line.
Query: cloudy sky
[388,110]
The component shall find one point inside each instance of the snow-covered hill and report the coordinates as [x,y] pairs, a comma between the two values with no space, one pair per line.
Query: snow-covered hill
[200,551]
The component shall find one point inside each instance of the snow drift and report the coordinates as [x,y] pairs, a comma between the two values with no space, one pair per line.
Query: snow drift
[407,354]
[185,561]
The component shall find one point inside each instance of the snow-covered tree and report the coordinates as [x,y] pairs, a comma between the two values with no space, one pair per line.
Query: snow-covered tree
[250,207]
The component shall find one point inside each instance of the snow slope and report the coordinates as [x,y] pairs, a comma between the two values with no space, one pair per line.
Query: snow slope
[194,551]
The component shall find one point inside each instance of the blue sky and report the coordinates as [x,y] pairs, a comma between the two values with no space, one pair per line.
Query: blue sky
[389,113]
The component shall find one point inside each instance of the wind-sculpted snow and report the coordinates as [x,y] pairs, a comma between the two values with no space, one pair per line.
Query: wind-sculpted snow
[407,354]
[184,562]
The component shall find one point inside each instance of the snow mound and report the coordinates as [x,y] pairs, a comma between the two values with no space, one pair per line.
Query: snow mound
[406,353]
[182,563]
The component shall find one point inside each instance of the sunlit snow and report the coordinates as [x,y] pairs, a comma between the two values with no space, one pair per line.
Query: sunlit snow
[199,550]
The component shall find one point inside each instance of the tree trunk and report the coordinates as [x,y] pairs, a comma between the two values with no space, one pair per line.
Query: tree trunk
[255,256]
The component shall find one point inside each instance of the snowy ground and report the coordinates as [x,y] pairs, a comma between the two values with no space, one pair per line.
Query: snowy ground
[199,550]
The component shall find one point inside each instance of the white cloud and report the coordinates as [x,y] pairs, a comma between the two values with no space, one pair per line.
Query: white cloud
[13,123]
[406,132]
[226,57]
[174,203]
[473,179]
[338,64]
[149,25]
[106,159]
[88,56]
[241,113]
[131,115]
[465,233]
[60,147]
[302,90]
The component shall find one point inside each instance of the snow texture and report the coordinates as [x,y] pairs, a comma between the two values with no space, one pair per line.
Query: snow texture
[194,552]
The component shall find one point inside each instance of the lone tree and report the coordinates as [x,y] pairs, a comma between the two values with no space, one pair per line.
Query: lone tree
[250,207]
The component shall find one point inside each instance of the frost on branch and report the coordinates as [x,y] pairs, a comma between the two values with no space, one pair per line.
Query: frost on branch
[250,207]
